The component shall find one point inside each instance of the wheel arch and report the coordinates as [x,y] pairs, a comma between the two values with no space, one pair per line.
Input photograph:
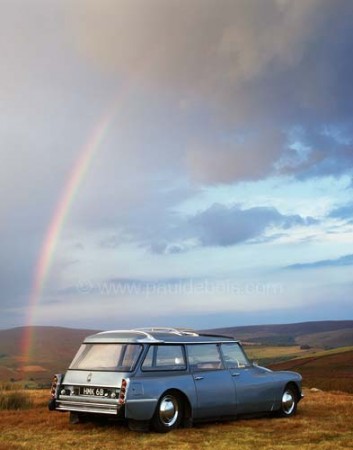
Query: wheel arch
[295,387]
[187,408]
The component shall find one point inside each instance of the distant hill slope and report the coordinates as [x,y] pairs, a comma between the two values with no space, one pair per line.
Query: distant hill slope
[324,334]
[327,339]
[52,349]
[44,340]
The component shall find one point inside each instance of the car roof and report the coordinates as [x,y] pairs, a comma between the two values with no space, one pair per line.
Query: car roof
[155,335]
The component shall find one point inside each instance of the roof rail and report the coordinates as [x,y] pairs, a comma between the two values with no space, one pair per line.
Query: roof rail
[178,331]
[216,335]
[140,331]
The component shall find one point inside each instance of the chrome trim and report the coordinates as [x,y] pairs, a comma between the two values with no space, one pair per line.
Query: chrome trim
[288,402]
[168,410]
[90,400]
[147,335]
[87,407]
[148,338]
[68,384]
[177,331]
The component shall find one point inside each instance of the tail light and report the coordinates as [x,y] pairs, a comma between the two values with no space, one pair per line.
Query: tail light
[55,384]
[123,390]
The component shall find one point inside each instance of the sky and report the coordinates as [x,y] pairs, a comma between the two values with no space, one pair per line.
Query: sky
[177,163]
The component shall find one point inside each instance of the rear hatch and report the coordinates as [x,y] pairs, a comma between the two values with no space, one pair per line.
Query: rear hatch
[95,376]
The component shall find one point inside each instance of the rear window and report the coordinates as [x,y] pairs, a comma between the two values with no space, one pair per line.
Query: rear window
[109,357]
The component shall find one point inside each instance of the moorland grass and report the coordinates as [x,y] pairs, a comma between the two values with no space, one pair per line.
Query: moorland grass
[15,399]
[323,422]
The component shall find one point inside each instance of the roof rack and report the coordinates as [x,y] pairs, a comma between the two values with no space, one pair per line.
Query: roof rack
[140,331]
[177,331]
[215,335]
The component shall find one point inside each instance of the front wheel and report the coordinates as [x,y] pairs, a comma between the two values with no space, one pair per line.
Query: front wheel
[168,414]
[289,403]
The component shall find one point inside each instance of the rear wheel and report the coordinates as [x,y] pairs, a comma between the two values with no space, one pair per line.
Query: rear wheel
[168,414]
[289,402]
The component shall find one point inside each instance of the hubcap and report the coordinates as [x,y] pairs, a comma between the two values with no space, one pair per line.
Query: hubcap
[288,402]
[168,410]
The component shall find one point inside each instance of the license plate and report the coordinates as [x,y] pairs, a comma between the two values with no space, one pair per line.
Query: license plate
[93,391]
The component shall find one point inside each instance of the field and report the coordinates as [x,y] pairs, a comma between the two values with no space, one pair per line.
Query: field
[266,354]
[323,422]
[332,370]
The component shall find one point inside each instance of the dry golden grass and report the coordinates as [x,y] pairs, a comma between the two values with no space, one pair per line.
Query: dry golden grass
[323,422]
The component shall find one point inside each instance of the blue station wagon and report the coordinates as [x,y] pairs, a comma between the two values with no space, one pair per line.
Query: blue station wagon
[166,377]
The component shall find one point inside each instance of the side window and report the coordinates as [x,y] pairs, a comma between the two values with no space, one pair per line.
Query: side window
[164,357]
[234,356]
[204,357]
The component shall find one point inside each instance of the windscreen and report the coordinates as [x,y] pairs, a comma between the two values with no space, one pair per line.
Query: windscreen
[108,357]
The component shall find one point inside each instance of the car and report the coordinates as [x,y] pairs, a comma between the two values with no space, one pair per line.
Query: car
[169,377]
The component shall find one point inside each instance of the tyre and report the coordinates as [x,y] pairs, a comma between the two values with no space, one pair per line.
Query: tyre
[289,402]
[168,414]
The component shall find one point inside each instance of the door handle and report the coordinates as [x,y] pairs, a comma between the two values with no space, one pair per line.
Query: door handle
[235,374]
[198,378]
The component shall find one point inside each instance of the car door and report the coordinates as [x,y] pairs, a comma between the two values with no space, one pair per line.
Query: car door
[254,386]
[214,386]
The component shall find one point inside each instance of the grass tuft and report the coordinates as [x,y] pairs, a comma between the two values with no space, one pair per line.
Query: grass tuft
[15,400]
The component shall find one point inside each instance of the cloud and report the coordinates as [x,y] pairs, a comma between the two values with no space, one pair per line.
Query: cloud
[130,286]
[256,70]
[245,158]
[343,261]
[223,226]
[206,92]
[344,212]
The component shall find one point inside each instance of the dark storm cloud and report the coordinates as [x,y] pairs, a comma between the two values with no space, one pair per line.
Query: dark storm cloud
[343,261]
[259,68]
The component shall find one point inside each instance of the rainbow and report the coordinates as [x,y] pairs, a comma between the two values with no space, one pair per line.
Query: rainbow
[61,211]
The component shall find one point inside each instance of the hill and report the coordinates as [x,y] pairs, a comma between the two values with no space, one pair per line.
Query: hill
[323,334]
[52,349]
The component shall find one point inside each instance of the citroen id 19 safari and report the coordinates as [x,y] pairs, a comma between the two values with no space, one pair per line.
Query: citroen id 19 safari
[166,378]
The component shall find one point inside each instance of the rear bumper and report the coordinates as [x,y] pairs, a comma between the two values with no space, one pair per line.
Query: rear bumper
[87,405]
